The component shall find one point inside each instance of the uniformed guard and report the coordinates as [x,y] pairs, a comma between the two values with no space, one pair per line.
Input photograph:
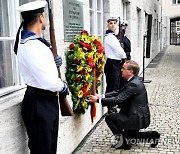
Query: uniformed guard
[126,43]
[40,108]
[115,56]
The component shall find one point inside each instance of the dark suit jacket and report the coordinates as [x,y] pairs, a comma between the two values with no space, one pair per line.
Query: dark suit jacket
[133,101]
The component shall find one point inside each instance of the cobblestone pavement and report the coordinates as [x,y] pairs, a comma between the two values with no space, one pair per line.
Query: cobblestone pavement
[164,99]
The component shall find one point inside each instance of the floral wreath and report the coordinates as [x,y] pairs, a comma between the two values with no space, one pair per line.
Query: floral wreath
[84,55]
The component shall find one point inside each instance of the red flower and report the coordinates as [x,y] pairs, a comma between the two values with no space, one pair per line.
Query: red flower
[86,84]
[84,32]
[91,62]
[101,50]
[88,46]
[78,79]
[71,46]
[83,71]
[95,41]
[101,60]
[99,46]
[87,93]
[76,61]
[84,89]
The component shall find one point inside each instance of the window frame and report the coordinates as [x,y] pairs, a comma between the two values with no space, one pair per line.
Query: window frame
[95,13]
[14,21]
[175,2]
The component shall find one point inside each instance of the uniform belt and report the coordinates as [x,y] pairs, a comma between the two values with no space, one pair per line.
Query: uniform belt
[114,60]
[41,92]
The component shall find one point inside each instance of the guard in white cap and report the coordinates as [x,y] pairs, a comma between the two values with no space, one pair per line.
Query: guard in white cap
[40,108]
[112,19]
[124,23]
[125,42]
[115,57]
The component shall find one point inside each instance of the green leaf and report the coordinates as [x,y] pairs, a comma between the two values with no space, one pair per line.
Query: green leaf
[78,87]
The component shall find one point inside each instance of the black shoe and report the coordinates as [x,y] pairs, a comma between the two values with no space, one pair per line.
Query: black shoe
[122,144]
[155,139]
[118,140]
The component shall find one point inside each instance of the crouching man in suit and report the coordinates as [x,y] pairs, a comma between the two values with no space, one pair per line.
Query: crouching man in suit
[134,110]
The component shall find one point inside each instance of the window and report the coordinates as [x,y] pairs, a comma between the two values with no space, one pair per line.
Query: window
[155,28]
[124,10]
[175,31]
[9,22]
[96,17]
[139,27]
[21,2]
[176,1]
[6,45]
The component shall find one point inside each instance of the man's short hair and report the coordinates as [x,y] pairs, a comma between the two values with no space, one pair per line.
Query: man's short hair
[133,66]
[112,19]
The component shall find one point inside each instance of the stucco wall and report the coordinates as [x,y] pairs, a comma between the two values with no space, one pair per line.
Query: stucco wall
[13,138]
[72,130]
[12,132]
[170,11]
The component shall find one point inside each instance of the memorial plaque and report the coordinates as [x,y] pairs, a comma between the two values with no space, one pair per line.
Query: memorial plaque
[73,19]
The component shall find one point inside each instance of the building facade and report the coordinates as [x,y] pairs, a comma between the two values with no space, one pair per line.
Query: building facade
[171,22]
[147,30]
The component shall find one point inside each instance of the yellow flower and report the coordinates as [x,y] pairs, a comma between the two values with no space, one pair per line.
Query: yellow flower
[100,55]
[102,66]
[84,38]
[99,39]
[89,86]
[89,69]
[94,50]
[91,55]
[80,93]
[81,53]
[79,69]
[84,103]
[95,59]
[93,37]
[87,76]
[98,88]
[80,49]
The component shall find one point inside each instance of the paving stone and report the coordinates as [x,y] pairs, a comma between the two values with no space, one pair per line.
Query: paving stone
[164,102]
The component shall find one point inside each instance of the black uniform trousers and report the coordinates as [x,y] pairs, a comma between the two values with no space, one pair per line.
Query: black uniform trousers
[113,74]
[41,117]
[114,79]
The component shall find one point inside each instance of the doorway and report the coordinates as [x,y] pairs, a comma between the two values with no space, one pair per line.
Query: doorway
[175,31]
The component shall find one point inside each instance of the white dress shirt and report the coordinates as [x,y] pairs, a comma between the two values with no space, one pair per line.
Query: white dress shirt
[37,66]
[113,49]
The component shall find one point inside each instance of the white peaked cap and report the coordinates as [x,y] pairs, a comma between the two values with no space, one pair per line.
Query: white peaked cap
[124,22]
[32,6]
[112,19]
